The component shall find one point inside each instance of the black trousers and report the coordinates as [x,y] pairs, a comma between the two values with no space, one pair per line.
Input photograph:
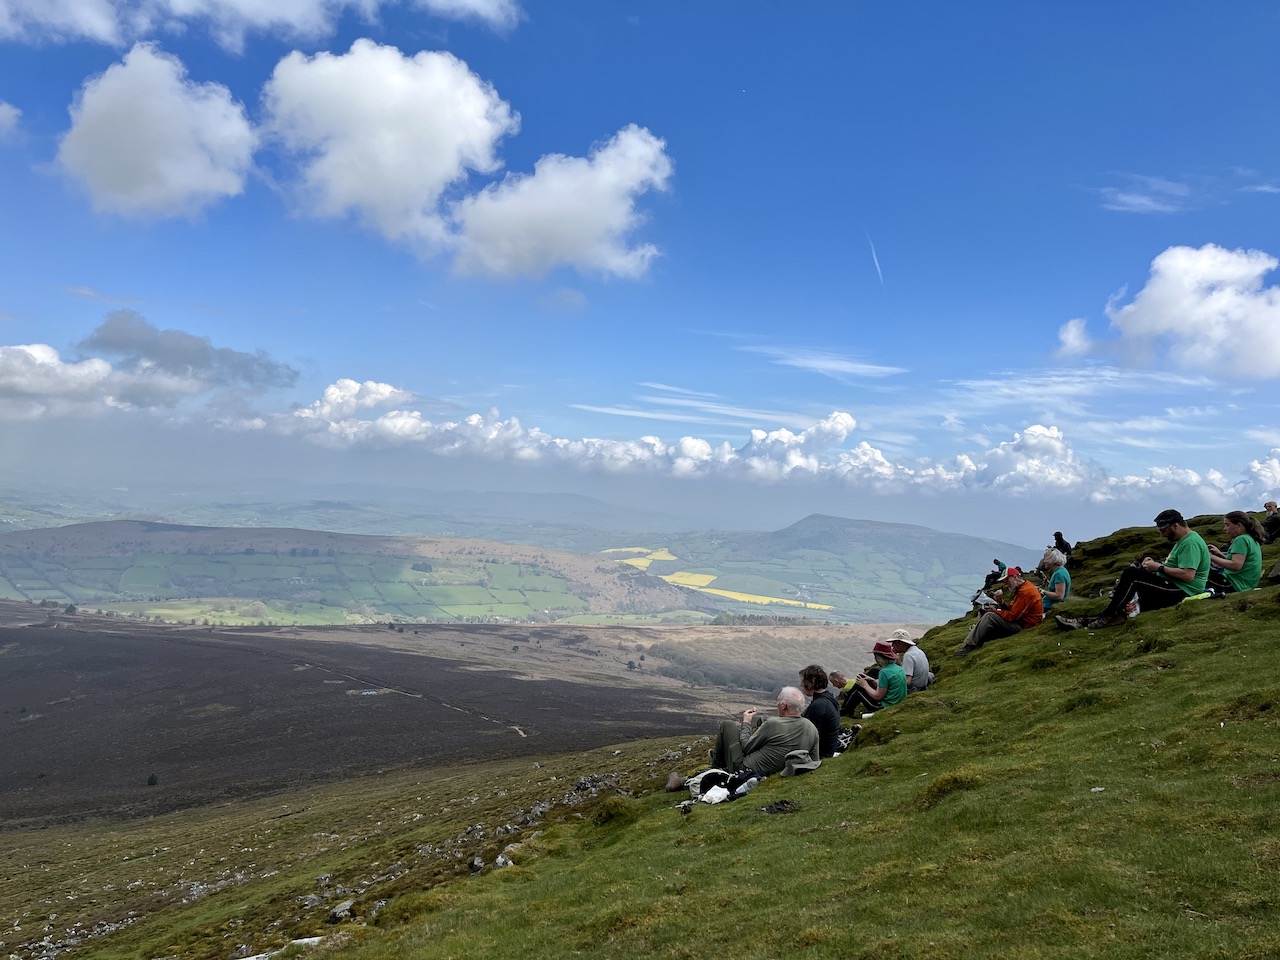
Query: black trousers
[1153,591]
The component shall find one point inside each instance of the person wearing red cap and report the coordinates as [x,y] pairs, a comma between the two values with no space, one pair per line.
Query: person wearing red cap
[1024,610]
[890,685]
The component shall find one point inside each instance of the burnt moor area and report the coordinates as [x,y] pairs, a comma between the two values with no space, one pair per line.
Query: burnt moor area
[127,722]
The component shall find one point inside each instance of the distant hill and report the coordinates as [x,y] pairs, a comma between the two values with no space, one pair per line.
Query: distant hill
[862,570]
[305,576]
[827,568]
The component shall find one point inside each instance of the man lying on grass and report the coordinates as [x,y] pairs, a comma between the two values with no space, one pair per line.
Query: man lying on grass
[764,749]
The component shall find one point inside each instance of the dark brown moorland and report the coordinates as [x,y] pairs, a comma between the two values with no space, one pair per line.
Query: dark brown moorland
[108,719]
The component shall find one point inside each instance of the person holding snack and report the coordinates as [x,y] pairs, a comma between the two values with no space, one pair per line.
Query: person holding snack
[888,688]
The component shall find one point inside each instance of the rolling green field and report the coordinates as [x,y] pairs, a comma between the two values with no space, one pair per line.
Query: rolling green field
[823,568]
[301,590]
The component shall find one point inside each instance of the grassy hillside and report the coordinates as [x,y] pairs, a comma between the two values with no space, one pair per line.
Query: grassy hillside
[1058,795]
[1109,794]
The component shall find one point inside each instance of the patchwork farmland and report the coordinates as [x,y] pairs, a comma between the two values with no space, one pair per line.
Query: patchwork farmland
[821,568]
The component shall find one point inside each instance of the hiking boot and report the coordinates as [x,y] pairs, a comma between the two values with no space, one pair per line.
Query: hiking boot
[1069,623]
[963,651]
[1101,623]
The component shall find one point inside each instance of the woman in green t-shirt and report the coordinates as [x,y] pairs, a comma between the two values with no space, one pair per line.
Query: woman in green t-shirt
[1239,567]
[890,685]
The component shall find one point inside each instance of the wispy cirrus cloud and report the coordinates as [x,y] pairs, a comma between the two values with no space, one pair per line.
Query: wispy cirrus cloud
[680,405]
[81,292]
[229,22]
[1065,390]
[828,363]
[1139,193]
[1143,194]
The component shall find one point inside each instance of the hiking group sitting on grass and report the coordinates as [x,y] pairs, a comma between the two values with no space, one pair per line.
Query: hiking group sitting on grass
[800,737]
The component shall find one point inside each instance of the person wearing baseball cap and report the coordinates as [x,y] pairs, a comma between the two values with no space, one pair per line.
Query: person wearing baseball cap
[1153,584]
[1024,610]
[890,685]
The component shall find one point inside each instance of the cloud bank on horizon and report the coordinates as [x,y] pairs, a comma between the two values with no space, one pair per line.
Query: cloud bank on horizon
[461,229]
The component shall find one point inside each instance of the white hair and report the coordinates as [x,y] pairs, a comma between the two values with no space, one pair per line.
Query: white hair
[1052,558]
[793,699]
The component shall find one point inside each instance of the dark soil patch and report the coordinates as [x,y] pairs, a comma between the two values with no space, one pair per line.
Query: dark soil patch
[123,723]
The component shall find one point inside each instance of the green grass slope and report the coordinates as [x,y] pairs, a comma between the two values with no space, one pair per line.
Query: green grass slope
[1107,794]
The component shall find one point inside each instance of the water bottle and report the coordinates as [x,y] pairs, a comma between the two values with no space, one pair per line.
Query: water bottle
[747,787]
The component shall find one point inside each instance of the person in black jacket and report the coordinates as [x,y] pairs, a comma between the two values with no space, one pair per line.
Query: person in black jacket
[823,710]
[1271,523]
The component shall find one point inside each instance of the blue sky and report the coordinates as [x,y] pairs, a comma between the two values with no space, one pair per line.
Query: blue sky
[1004,268]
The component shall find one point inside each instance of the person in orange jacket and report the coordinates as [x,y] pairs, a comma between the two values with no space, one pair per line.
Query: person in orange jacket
[1024,610]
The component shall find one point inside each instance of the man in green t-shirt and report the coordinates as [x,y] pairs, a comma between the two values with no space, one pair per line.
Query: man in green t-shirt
[1154,584]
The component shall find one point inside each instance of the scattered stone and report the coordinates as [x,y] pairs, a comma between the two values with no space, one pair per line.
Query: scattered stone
[343,911]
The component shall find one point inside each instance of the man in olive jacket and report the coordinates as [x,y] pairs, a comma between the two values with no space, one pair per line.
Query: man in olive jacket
[764,749]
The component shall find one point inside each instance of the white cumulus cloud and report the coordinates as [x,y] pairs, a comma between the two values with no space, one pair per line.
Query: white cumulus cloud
[9,117]
[37,370]
[1211,308]
[1073,339]
[1266,473]
[346,397]
[36,383]
[381,135]
[1039,458]
[572,211]
[146,141]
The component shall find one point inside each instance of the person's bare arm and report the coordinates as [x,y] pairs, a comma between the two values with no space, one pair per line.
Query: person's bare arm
[1185,574]
[873,691]
[1233,562]
[1056,593]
